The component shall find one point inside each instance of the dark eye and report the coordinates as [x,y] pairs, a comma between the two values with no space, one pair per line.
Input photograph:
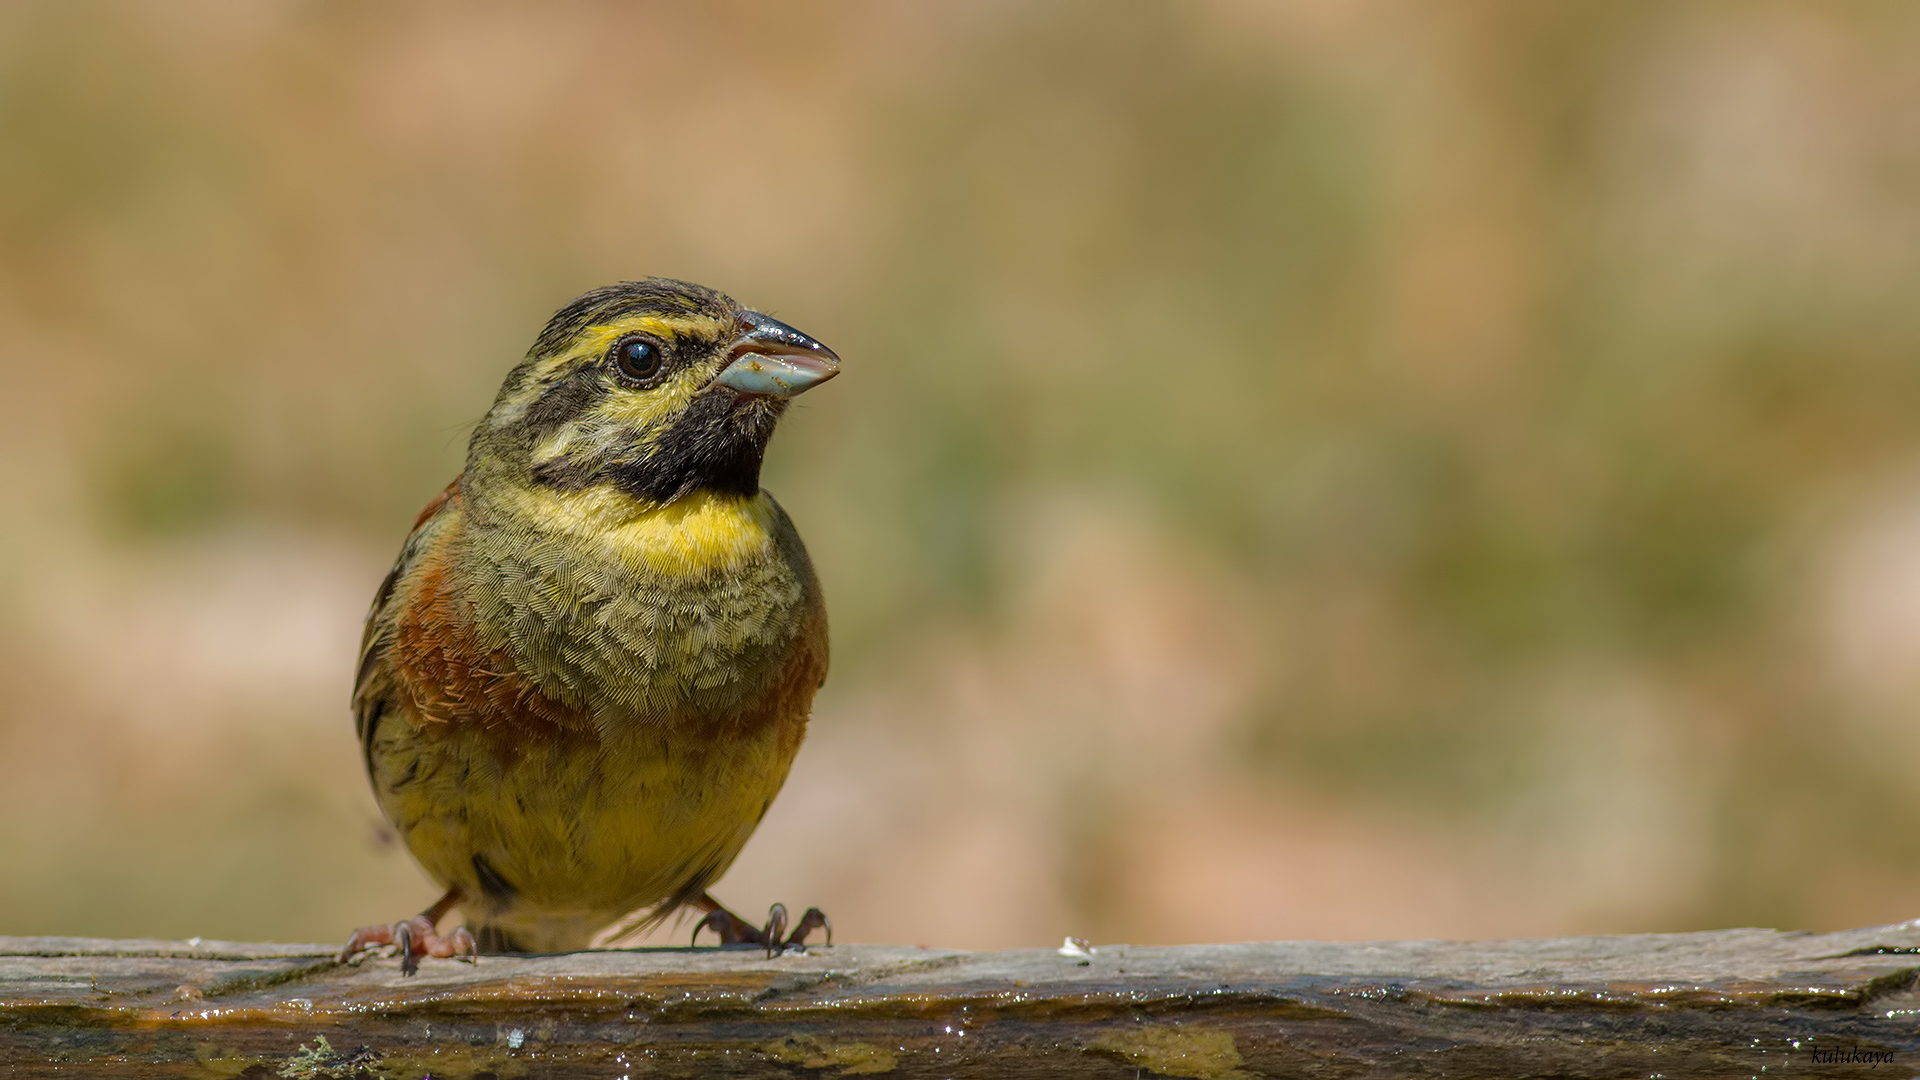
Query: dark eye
[638,359]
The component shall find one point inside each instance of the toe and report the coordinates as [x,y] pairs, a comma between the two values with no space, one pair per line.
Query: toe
[733,930]
[365,938]
[814,919]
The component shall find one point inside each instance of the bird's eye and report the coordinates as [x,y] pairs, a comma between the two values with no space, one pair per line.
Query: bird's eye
[638,359]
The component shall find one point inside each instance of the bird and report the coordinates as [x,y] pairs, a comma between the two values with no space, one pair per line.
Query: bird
[588,673]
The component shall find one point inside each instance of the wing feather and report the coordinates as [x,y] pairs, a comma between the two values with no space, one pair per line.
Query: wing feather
[373,682]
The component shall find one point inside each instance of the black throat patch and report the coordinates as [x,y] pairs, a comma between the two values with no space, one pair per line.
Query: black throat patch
[715,445]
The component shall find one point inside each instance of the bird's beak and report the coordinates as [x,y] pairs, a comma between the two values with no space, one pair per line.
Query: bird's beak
[772,359]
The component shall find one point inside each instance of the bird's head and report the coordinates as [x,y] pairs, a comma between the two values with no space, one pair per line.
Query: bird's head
[656,388]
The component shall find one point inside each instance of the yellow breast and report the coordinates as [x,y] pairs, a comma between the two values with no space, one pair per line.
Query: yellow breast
[696,534]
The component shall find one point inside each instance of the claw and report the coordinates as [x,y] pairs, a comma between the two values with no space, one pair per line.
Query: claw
[403,934]
[776,929]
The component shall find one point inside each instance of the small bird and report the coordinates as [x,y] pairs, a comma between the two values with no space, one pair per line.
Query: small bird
[586,677]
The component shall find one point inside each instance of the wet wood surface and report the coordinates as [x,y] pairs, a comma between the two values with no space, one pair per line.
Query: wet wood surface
[1733,1003]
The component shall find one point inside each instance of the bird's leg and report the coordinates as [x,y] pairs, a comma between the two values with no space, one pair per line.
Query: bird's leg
[734,930]
[417,937]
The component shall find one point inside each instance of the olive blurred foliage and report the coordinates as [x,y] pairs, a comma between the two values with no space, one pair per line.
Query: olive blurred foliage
[1302,469]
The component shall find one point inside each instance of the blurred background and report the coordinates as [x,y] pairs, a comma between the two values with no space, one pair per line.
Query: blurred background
[1339,470]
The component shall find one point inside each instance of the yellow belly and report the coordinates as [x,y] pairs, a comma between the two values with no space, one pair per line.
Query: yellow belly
[574,832]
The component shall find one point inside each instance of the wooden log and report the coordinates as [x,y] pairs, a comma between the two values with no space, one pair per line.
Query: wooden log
[1732,1003]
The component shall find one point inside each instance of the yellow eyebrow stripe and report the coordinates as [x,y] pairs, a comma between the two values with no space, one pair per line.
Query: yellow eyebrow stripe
[597,340]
